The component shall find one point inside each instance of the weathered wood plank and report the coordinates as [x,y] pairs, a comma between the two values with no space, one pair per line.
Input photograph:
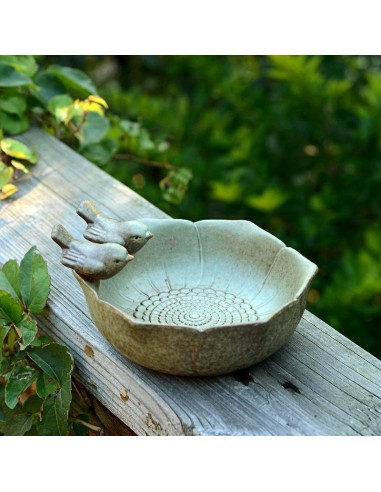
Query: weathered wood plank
[319,383]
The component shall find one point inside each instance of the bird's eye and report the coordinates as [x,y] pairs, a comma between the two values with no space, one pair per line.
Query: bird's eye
[136,237]
[117,261]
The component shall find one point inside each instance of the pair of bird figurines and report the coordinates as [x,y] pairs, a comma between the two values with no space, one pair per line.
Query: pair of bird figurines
[112,242]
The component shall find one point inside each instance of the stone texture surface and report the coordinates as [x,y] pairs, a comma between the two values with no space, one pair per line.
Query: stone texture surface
[184,306]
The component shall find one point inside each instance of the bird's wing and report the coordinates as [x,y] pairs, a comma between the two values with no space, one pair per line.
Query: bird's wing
[102,232]
[79,261]
[72,260]
[96,232]
[74,257]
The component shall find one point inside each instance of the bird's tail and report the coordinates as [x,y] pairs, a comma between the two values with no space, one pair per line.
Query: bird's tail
[61,236]
[88,211]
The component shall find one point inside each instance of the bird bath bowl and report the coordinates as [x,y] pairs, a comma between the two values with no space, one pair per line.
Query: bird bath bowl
[202,298]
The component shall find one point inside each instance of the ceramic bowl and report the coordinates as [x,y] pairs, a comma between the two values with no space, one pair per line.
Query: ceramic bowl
[202,298]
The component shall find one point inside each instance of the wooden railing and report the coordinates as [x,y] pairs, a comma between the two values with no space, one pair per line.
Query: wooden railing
[319,383]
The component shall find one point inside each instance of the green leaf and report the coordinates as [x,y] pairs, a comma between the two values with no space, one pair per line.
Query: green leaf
[10,309]
[12,123]
[145,140]
[59,106]
[33,404]
[16,149]
[10,77]
[57,364]
[41,340]
[9,278]
[75,80]
[132,128]
[3,333]
[100,153]
[175,185]
[46,385]
[55,413]
[48,87]
[34,281]
[226,192]
[268,201]
[54,359]
[19,381]
[33,430]
[94,129]
[13,103]
[5,364]
[19,166]
[6,174]
[15,422]
[23,63]
[12,338]
[28,330]
[7,191]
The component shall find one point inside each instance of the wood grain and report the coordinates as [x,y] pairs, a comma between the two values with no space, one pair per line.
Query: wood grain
[319,383]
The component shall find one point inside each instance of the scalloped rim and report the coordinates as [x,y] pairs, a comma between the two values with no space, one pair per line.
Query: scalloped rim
[93,286]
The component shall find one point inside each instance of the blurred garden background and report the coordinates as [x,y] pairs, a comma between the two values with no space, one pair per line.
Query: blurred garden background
[291,143]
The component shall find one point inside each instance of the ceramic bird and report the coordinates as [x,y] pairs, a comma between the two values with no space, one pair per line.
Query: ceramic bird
[91,261]
[132,234]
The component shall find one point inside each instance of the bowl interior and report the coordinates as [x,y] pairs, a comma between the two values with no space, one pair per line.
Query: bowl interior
[209,273]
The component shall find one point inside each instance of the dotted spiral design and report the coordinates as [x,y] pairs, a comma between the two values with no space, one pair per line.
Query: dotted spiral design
[197,307]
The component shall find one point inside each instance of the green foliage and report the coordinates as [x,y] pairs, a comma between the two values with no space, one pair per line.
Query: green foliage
[9,278]
[48,86]
[25,64]
[13,123]
[34,281]
[16,149]
[35,373]
[13,103]
[288,142]
[175,185]
[65,101]
[19,379]
[11,310]
[15,422]
[74,80]
[14,157]
[56,363]
[11,77]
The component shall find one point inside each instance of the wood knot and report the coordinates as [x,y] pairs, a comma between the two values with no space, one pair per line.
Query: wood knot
[124,395]
[89,351]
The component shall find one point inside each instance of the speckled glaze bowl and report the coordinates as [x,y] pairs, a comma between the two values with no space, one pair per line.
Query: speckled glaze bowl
[202,298]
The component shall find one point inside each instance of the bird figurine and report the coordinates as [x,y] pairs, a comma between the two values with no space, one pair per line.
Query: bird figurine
[92,261]
[133,235]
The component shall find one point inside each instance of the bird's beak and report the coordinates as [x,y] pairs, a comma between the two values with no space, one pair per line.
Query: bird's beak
[149,235]
[130,257]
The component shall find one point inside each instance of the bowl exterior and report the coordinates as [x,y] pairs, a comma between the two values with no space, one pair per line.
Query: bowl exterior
[188,352]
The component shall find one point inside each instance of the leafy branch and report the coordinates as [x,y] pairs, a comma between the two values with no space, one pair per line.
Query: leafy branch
[35,373]
[65,102]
